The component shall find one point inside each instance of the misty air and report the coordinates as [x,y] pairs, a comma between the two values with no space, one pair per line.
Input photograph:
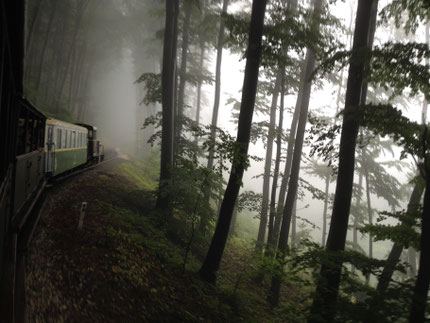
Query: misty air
[214,161]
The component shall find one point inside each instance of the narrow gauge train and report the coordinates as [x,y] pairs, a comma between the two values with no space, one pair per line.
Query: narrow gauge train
[34,148]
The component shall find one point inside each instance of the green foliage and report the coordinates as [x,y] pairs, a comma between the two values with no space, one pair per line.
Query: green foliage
[249,200]
[403,233]
[152,83]
[418,12]
[395,66]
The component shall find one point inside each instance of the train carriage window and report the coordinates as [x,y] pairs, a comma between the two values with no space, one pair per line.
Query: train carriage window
[58,139]
[63,139]
[73,139]
[67,138]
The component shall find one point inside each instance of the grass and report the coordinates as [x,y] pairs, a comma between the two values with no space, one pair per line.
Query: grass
[126,248]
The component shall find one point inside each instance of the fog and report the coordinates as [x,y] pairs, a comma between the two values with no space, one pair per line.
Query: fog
[122,41]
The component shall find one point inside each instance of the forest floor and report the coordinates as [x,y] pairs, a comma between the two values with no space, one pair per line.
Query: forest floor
[123,266]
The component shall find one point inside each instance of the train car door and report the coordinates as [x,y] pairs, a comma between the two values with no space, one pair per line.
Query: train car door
[50,154]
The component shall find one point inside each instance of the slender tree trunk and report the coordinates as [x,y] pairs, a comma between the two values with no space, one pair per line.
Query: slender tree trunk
[214,122]
[267,165]
[294,226]
[216,248]
[412,259]
[183,74]
[419,299]
[82,6]
[323,306]
[31,29]
[369,210]
[44,46]
[326,197]
[199,84]
[358,202]
[168,90]
[425,102]
[272,213]
[233,220]
[290,146]
[295,166]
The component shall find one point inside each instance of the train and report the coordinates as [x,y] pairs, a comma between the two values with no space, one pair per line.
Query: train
[35,149]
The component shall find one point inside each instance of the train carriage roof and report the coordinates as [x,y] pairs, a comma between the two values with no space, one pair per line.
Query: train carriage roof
[89,127]
[62,124]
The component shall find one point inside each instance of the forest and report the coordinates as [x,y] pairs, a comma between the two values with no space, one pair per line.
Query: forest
[272,160]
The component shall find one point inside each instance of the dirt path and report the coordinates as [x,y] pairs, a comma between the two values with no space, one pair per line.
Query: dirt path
[69,272]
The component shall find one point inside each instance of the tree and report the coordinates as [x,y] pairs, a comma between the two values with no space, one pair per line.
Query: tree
[168,89]
[220,44]
[216,248]
[268,163]
[328,284]
[304,97]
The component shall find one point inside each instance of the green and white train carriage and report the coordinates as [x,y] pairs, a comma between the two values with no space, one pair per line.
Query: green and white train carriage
[65,146]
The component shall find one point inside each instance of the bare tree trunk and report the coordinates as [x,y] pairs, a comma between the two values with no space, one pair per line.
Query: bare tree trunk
[199,85]
[272,212]
[419,299]
[294,226]
[425,103]
[369,210]
[80,12]
[182,73]
[216,248]
[31,27]
[267,165]
[324,228]
[323,306]
[355,226]
[44,46]
[295,166]
[168,90]
[214,122]
[290,146]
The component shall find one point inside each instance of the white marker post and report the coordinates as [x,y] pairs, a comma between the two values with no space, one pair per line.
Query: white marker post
[81,216]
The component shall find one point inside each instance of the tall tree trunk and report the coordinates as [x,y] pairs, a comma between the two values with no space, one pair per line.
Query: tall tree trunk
[369,210]
[355,225]
[419,299]
[233,220]
[295,166]
[80,12]
[328,284]
[216,248]
[412,260]
[397,249]
[425,102]
[370,217]
[182,74]
[267,165]
[168,90]
[326,197]
[199,84]
[31,29]
[358,202]
[272,212]
[214,122]
[44,46]
[290,146]
[294,226]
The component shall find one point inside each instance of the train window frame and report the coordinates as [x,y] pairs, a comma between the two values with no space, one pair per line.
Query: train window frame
[73,139]
[63,139]
[70,139]
[58,138]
